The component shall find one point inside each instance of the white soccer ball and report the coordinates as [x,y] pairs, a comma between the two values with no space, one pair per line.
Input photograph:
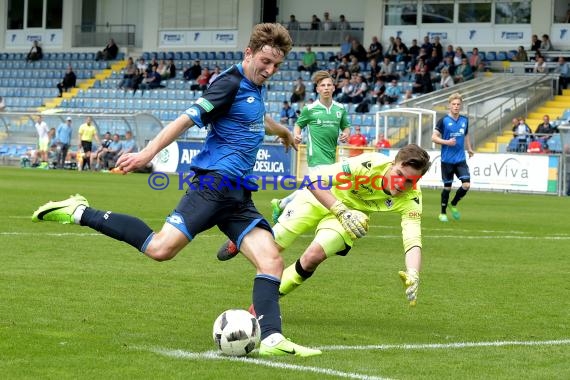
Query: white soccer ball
[236,332]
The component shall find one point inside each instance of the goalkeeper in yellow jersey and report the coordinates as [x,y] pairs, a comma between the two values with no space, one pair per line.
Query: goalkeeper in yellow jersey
[337,205]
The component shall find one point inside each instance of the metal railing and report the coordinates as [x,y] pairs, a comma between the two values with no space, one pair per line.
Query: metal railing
[98,35]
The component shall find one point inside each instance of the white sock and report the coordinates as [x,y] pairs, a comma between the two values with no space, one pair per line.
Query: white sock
[78,213]
[273,339]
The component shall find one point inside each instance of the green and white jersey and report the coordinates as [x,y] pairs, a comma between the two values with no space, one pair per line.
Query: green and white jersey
[357,182]
[323,127]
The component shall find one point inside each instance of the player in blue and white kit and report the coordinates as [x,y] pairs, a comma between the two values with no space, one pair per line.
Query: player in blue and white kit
[451,132]
[233,107]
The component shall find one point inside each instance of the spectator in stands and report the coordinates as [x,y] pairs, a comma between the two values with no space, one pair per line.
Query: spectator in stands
[563,68]
[414,52]
[357,50]
[346,87]
[540,65]
[382,142]
[375,50]
[308,61]
[373,70]
[447,63]
[401,51]
[449,52]
[152,80]
[377,91]
[43,140]
[392,93]
[109,158]
[171,69]
[387,70]
[109,52]
[35,53]
[390,51]
[215,74]
[63,141]
[446,80]
[354,67]
[202,80]
[359,90]
[463,72]
[524,134]
[299,91]
[87,133]
[422,83]
[151,65]
[535,43]
[438,47]
[287,115]
[69,80]
[475,59]
[193,72]
[128,76]
[545,130]
[293,24]
[342,23]
[546,45]
[419,67]
[96,160]
[128,145]
[521,55]
[327,23]
[315,23]
[458,56]
[356,140]
[432,61]
[2,104]
[140,75]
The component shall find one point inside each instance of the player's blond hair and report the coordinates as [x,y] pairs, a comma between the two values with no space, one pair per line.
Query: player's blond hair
[320,75]
[274,35]
[455,96]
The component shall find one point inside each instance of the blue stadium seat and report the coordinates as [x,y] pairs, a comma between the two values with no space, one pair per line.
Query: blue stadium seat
[490,56]
[502,56]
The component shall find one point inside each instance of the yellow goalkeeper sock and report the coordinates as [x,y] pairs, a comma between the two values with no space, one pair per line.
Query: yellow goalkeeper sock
[290,280]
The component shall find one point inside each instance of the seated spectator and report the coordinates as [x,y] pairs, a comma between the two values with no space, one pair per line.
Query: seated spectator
[545,130]
[140,75]
[193,72]
[287,116]
[446,79]
[523,134]
[202,80]
[109,158]
[546,45]
[128,145]
[356,139]
[162,70]
[346,88]
[299,91]
[97,156]
[359,90]
[392,93]
[171,69]
[308,61]
[128,76]
[463,72]
[447,63]
[108,53]
[354,67]
[35,53]
[373,70]
[521,55]
[422,83]
[535,43]
[377,91]
[540,65]
[387,70]
[562,68]
[151,81]
[358,51]
[141,64]
[458,56]
[68,81]
[293,24]
[381,142]
[475,59]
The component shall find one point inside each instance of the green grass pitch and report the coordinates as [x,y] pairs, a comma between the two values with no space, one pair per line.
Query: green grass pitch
[493,304]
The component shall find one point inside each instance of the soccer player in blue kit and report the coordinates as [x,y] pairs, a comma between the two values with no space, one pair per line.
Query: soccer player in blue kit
[233,106]
[451,132]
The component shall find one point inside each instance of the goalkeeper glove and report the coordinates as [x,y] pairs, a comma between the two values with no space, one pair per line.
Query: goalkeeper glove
[353,221]
[411,280]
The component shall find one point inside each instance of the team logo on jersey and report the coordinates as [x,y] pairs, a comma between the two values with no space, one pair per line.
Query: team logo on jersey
[416,199]
[289,213]
[338,114]
[175,219]
[462,131]
[389,203]
[319,121]
[192,112]
[250,99]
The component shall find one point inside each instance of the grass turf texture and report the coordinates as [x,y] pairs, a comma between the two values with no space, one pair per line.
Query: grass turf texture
[77,304]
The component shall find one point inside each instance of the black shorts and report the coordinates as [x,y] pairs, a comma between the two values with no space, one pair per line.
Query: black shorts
[87,146]
[460,169]
[217,204]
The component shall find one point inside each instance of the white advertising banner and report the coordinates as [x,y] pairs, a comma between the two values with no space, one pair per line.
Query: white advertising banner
[197,38]
[475,35]
[511,35]
[23,39]
[517,172]
[560,36]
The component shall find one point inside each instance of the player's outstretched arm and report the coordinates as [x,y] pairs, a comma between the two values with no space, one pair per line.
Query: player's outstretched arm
[411,277]
[132,161]
[273,128]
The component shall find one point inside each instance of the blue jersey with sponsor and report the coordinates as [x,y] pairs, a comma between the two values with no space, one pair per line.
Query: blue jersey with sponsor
[233,109]
[449,128]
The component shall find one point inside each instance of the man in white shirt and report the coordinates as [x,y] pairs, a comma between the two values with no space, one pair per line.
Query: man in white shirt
[43,138]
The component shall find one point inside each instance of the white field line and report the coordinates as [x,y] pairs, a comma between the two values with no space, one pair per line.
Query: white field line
[435,346]
[214,355]
[370,236]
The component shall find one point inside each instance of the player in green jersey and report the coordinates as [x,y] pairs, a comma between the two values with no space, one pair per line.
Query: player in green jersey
[337,207]
[326,123]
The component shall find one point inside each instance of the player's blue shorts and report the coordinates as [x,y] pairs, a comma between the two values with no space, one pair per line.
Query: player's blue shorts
[460,169]
[215,204]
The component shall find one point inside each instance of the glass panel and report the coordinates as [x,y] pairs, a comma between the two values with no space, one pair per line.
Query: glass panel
[437,13]
[475,12]
[35,14]
[401,14]
[15,14]
[54,14]
[512,12]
